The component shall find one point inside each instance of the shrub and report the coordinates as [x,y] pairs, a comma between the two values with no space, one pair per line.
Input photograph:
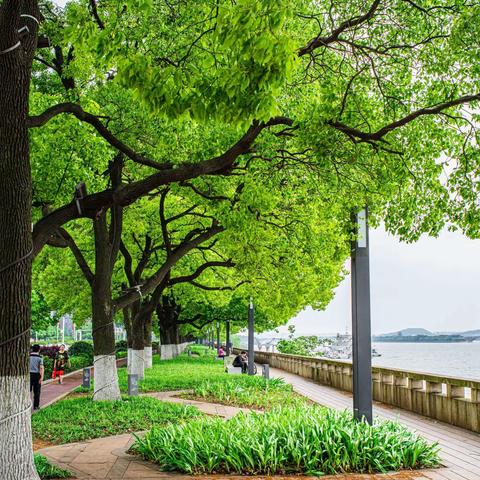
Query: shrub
[46,470]
[78,362]
[301,440]
[155,346]
[81,348]
[50,351]
[48,366]
[121,346]
[121,354]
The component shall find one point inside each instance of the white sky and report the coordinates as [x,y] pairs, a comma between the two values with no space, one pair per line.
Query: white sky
[433,284]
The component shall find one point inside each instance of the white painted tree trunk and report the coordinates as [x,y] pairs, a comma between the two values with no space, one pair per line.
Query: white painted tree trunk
[105,378]
[129,360]
[172,350]
[138,364]
[147,356]
[16,454]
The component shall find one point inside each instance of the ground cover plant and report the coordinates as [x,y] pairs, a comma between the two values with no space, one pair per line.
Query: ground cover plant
[48,471]
[295,440]
[79,418]
[247,391]
[180,373]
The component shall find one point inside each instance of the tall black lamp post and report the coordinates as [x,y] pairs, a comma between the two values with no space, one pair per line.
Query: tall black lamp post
[361,328]
[227,338]
[251,329]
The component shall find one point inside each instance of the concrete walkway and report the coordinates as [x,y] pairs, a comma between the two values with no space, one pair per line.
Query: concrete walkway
[107,458]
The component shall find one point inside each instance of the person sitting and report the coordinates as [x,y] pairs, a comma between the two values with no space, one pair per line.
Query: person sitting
[241,361]
[221,353]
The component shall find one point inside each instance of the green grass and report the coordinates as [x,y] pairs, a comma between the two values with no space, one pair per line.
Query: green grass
[180,373]
[300,440]
[77,419]
[246,391]
[46,470]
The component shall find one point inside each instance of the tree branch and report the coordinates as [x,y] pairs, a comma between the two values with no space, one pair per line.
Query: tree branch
[379,134]
[76,110]
[322,41]
[200,270]
[127,194]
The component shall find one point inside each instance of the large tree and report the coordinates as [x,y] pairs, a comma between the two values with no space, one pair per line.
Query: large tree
[368,87]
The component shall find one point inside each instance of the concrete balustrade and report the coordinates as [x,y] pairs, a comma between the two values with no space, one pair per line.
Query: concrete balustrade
[452,400]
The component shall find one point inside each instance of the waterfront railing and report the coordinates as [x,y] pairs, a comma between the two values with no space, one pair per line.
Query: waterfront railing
[448,399]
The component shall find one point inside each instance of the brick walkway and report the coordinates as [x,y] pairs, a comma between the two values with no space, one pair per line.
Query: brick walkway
[52,391]
[107,458]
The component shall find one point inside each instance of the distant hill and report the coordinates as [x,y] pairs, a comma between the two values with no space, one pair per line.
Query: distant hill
[407,332]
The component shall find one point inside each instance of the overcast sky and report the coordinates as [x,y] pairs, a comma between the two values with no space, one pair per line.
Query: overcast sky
[434,284]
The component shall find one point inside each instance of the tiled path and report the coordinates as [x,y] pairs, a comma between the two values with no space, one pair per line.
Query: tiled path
[107,458]
[460,449]
[52,391]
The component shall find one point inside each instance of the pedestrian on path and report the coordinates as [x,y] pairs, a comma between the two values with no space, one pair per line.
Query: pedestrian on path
[61,361]
[36,375]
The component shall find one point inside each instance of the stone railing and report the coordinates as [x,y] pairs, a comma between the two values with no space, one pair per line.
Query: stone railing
[452,400]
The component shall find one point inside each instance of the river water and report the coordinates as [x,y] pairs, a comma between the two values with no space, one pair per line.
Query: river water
[449,359]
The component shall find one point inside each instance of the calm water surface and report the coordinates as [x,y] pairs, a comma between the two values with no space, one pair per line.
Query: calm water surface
[450,359]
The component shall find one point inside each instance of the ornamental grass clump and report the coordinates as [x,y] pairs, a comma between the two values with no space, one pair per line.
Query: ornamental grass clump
[295,440]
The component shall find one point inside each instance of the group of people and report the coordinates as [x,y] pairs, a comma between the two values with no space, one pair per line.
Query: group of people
[37,370]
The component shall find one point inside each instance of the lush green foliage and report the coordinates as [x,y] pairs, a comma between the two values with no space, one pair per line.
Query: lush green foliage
[48,471]
[305,345]
[42,315]
[248,391]
[76,419]
[81,348]
[309,440]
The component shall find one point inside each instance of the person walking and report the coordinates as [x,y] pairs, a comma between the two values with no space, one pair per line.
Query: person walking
[61,361]
[36,375]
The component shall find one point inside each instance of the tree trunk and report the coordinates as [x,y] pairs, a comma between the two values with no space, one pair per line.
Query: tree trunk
[16,456]
[147,340]
[127,321]
[138,361]
[105,371]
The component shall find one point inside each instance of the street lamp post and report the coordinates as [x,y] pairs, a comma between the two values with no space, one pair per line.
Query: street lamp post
[361,327]
[227,337]
[251,329]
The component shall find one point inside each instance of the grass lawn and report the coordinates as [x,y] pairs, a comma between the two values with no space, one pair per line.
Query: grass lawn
[77,419]
[181,373]
[293,440]
[48,471]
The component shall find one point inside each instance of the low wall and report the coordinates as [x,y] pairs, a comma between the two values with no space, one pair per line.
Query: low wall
[452,400]
[169,351]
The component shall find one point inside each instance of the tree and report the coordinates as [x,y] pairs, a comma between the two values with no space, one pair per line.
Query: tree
[42,315]
[374,108]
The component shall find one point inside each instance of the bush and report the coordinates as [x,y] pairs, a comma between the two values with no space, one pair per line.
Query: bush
[78,362]
[121,346]
[121,354]
[77,419]
[81,348]
[46,470]
[302,440]
[50,351]
[155,346]
[48,366]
